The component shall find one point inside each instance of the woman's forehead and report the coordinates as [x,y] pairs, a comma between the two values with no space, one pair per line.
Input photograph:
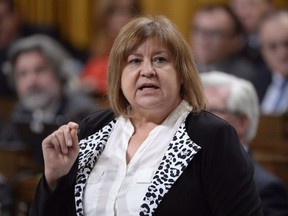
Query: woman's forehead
[151,42]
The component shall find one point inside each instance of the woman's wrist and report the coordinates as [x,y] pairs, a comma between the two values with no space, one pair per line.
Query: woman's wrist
[51,181]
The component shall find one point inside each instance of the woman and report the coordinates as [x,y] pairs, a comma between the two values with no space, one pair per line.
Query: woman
[163,155]
[110,17]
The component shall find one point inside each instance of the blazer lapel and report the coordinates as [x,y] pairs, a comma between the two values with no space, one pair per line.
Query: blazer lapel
[180,152]
[90,150]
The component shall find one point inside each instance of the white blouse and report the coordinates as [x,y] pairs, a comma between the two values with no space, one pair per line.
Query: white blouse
[115,188]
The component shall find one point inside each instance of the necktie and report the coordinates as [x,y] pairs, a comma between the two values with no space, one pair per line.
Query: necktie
[280,95]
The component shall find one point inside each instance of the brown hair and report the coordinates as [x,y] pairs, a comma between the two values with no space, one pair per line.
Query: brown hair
[130,37]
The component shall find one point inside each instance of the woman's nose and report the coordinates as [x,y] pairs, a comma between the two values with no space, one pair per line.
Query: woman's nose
[147,69]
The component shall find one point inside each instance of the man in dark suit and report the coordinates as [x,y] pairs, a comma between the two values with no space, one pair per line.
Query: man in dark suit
[216,41]
[5,196]
[250,13]
[44,76]
[235,100]
[273,36]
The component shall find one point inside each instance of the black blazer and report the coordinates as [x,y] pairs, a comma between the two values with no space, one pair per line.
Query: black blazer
[272,191]
[207,172]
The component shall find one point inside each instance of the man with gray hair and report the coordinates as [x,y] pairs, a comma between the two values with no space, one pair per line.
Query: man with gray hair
[235,100]
[42,73]
[273,34]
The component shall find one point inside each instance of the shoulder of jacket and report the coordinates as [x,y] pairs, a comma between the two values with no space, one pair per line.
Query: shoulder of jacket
[204,119]
[204,125]
[94,122]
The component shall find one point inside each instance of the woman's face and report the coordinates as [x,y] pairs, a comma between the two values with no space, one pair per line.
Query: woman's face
[149,80]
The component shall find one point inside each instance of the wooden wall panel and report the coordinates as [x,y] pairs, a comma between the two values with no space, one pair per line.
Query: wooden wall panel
[73,17]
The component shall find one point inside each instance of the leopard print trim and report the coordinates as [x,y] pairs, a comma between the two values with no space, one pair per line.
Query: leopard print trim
[90,149]
[180,152]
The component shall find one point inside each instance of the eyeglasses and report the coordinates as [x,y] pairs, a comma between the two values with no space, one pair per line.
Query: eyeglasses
[211,33]
[274,46]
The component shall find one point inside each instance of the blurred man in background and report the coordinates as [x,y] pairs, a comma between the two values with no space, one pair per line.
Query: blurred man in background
[273,35]
[235,100]
[216,40]
[109,17]
[12,27]
[250,13]
[41,72]
[5,197]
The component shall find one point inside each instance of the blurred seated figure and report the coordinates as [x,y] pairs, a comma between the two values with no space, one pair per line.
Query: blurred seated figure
[216,40]
[12,27]
[8,27]
[235,100]
[110,16]
[42,74]
[5,197]
[250,13]
[273,34]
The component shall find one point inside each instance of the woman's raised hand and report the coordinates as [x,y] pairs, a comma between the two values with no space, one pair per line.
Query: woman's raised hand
[60,150]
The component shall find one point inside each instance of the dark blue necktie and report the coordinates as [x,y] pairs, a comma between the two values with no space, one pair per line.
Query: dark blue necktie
[280,95]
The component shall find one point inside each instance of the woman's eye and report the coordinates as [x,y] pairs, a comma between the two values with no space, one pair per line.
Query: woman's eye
[134,61]
[160,60]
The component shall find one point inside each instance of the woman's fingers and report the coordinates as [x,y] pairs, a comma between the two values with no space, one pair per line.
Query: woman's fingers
[73,125]
[55,142]
[52,141]
[75,137]
[67,135]
[64,137]
[74,131]
[62,143]
[68,129]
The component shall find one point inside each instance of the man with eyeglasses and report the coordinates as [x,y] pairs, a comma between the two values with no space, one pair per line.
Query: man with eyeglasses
[273,34]
[250,13]
[234,100]
[216,41]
